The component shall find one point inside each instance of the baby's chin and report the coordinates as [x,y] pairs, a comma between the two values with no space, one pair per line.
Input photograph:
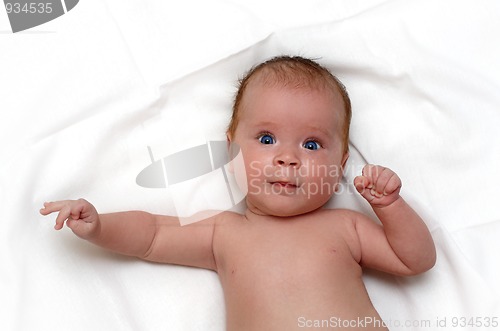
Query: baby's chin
[283,210]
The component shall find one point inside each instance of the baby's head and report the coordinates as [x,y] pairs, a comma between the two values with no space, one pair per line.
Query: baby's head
[291,120]
[294,72]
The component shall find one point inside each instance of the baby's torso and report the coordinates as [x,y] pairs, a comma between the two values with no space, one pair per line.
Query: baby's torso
[292,274]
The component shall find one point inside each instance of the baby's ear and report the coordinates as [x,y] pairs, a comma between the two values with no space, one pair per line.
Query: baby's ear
[342,167]
[230,152]
[344,160]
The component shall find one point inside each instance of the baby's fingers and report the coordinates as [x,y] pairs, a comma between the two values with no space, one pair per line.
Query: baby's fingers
[393,184]
[61,217]
[51,207]
[365,187]
[384,181]
[65,211]
[361,183]
[384,175]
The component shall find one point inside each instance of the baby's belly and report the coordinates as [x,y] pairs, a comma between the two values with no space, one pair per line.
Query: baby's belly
[319,297]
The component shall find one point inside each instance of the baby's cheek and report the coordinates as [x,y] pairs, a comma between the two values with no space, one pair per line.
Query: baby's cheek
[321,187]
[239,171]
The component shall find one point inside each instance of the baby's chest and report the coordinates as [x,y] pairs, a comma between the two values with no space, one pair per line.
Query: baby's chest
[289,257]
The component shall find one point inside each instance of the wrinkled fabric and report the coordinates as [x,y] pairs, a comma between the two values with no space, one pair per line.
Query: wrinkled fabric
[87,100]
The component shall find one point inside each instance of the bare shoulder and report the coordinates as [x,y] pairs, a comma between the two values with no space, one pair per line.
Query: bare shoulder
[222,220]
[226,222]
[228,217]
[352,219]
[349,217]
[344,217]
[341,212]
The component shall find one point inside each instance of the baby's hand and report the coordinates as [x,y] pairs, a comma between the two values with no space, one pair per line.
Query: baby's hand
[380,186]
[80,216]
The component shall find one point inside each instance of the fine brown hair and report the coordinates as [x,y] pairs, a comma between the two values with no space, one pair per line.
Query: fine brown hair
[297,72]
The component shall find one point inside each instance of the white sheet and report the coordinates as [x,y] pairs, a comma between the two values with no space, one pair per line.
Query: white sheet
[83,96]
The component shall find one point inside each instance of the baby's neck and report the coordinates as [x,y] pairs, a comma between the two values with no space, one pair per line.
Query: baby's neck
[255,215]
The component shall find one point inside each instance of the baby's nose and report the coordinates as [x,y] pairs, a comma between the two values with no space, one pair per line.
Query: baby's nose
[287,159]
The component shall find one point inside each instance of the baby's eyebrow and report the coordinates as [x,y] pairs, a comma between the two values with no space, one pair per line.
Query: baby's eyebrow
[266,124]
[321,130]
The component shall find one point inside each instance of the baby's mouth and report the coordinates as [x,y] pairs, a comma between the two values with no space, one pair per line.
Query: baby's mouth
[284,184]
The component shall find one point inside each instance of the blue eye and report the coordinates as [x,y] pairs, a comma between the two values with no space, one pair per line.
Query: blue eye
[266,139]
[312,145]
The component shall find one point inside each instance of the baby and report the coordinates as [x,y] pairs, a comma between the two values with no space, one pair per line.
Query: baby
[286,263]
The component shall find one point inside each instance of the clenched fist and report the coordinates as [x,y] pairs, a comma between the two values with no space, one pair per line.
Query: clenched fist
[380,186]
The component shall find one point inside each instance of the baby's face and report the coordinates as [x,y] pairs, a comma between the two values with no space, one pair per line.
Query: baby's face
[291,142]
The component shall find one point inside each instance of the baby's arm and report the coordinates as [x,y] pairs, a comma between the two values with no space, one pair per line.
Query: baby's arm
[150,237]
[403,245]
